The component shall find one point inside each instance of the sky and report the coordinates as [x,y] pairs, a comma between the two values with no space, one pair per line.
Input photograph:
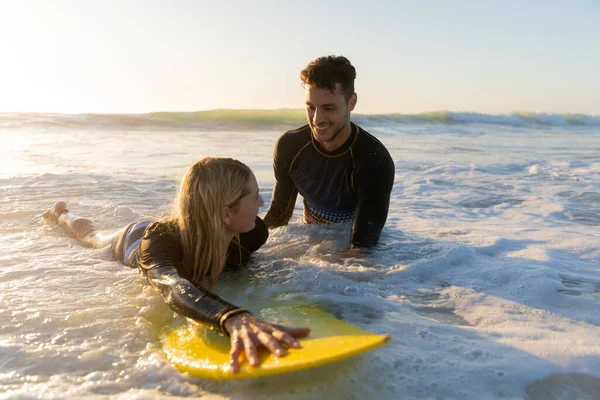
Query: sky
[128,56]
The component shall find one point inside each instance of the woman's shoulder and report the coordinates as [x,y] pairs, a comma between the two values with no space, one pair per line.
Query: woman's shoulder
[161,234]
[160,244]
[165,228]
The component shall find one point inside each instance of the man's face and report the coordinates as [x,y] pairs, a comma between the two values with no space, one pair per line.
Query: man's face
[328,115]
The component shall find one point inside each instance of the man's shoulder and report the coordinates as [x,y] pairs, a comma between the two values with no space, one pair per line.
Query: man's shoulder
[302,134]
[374,164]
[294,139]
[368,146]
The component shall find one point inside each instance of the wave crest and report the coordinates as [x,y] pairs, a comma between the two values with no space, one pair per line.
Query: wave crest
[281,119]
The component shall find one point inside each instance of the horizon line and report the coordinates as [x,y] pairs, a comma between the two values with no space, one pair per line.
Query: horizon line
[301,110]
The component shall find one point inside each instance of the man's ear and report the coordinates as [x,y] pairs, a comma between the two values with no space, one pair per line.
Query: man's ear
[352,101]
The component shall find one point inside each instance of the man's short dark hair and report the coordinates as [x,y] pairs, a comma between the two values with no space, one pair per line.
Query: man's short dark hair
[325,72]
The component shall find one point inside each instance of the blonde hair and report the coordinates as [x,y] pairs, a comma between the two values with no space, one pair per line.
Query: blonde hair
[208,186]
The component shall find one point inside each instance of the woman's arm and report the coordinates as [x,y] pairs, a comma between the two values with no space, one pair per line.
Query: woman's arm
[160,256]
[247,332]
[189,300]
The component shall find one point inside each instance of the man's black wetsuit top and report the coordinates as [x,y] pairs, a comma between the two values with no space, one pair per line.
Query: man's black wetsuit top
[352,183]
[160,258]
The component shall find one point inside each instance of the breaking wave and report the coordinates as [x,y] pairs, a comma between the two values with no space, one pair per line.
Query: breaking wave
[277,120]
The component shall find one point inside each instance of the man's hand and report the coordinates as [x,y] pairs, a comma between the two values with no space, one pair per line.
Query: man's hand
[247,333]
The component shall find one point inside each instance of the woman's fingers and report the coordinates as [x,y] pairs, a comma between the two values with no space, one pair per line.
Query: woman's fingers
[250,347]
[286,338]
[248,333]
[271,343]
[236,349]
[294,332]
[298,332]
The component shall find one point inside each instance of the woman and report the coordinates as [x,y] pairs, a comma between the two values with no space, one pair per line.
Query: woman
[216,225]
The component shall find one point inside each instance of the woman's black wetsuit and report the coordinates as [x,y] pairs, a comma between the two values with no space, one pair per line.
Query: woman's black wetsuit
[155,249]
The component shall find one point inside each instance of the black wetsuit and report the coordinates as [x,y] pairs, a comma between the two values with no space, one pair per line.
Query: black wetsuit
[157,252]
[352,183]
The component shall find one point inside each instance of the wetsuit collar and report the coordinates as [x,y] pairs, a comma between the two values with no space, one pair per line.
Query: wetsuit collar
[343,148]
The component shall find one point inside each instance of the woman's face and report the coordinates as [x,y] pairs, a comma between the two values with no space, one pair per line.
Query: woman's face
[242,217]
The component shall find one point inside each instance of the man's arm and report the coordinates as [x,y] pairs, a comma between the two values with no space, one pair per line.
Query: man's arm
[284,191]
[374,186]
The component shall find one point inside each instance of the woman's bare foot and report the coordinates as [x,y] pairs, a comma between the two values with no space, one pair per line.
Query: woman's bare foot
[79,228]
[59,208]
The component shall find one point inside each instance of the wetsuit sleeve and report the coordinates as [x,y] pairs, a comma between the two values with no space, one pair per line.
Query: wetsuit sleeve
[284,191]
[374,179]
[161,256]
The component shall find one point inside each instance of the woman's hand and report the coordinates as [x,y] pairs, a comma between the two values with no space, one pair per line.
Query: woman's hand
[247,333]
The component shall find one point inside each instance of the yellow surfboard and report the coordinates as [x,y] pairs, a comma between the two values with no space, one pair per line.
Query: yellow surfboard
[205,354]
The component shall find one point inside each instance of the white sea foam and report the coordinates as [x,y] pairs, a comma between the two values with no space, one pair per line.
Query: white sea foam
[486,276]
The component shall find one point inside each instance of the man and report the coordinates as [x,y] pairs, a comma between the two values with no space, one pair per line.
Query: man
[342,172]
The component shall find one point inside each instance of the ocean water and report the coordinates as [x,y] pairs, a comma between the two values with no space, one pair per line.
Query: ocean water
[487,276]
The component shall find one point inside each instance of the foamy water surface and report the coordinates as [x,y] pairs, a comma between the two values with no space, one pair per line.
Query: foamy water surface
[486,277]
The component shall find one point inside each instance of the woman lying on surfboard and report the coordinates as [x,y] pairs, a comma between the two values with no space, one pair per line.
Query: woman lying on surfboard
[216,226]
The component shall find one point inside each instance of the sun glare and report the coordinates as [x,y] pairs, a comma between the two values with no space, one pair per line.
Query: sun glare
[12,149]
